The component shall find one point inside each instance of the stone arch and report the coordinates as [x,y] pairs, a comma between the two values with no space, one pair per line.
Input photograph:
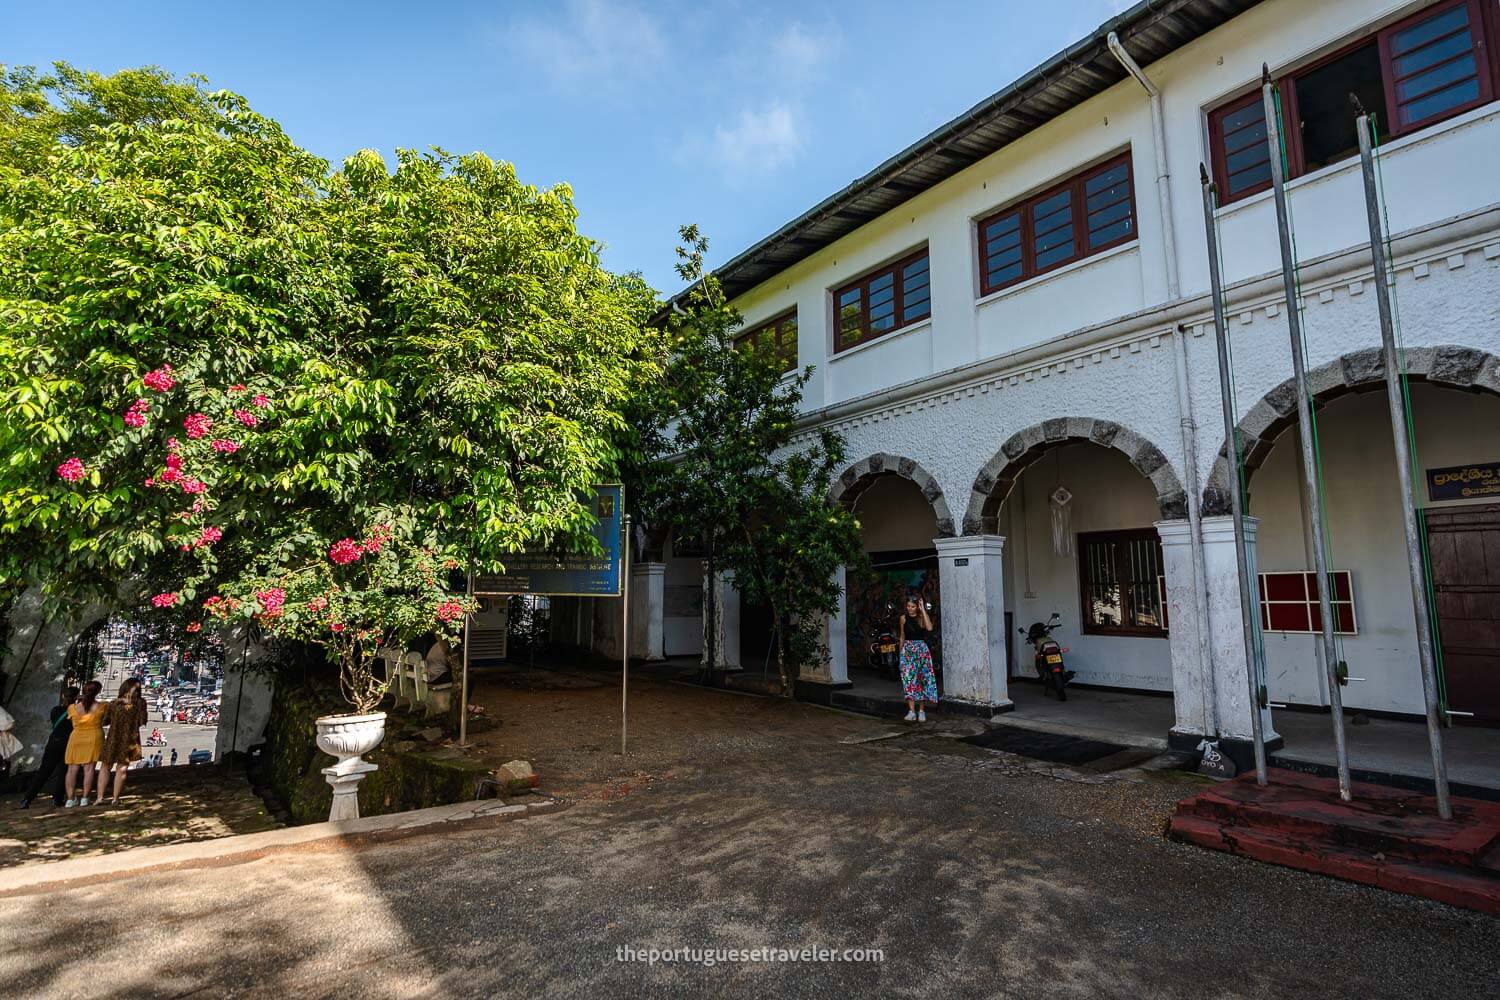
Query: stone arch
[994,482]
[861,475]
[1448,365]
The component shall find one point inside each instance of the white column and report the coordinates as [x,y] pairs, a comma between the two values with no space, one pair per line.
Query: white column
[1230,687]
[835,669]
[647,604]
[971,577]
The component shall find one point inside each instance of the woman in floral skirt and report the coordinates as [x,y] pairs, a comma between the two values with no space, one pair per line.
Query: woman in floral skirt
[917,678]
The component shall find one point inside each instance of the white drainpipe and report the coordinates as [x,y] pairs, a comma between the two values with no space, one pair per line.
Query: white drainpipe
[1184,401]
[1163,175]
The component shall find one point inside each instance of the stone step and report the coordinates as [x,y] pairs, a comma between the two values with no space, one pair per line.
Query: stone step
[1471,888]
[1379,820]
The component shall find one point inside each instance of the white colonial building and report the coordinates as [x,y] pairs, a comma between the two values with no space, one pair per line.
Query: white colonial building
[1019,302]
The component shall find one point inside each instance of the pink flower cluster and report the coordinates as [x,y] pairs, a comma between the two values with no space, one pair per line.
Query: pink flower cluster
[160,380]
[379,535]
[165,600]
[337,626]
[271,600]
[317,604]
[246,417]
[449,611]
[197,425]
[136,415]
[220,607]
[72,470]
[209,535]
[194,626]
[237,387]
[191,485]
[224,446]
[261,401]
[345,551]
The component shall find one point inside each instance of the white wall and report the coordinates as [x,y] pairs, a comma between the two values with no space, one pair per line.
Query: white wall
[894,516]
[965,328]
[1364,519]
[682,635]
[1108,494]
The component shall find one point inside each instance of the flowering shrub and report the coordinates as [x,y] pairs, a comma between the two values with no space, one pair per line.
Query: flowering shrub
[160,380]
[224,446]
[136,415]
[165,600]
[72,470]
[197,425]
[357,601]
[345,551]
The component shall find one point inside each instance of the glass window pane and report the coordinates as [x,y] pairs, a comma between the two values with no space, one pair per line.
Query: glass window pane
[1429,30]
[1056,255]
[1245,138]
[1325,117]
[1435,104]
[881,297]
[1110,233]
[1114,213]
[1003,274]
[1431,55]
[1052,221]
[1249,178]
[1435,79]
[1099,185]
[1252,113]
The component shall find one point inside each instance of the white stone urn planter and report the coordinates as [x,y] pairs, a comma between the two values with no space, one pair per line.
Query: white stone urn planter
[348,737]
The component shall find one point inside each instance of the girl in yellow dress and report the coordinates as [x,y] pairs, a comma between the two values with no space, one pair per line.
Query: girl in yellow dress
[86,743]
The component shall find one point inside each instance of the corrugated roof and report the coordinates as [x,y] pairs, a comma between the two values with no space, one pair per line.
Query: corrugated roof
[1149,30]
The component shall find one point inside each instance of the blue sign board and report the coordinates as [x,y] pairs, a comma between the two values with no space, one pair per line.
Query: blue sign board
[568,574]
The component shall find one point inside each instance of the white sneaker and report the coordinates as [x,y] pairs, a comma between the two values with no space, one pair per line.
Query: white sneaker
[921,716]
[70,803]
[910,717]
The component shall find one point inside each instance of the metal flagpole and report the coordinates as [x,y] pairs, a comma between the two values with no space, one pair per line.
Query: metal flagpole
[1236,496]
[463,694]
[1399,431]
[1305,429]
[624,625]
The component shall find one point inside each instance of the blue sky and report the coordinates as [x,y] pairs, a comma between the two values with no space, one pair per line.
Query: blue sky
[736,116]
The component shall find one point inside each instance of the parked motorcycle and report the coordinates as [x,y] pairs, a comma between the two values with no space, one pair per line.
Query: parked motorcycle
[1048,659]
[885,651]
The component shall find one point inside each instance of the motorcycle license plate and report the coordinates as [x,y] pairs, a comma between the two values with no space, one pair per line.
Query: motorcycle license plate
[1054,658]
[888,648]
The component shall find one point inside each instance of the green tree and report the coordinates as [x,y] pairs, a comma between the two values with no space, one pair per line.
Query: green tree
[218,360]
[723,461]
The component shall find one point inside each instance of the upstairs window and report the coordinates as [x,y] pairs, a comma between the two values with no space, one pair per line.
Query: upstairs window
[779,337]
[1089,212]
[1415,73]
[895,296]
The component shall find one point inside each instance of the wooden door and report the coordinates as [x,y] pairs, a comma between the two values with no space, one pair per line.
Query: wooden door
[1465,547]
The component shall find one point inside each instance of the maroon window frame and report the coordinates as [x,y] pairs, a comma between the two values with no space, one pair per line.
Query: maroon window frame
[883,301]
[1412,67]
[1122,569]
[778,335]
[1058,226]
[1289,602]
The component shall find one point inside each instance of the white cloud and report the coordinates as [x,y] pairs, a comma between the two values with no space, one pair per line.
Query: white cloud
[799,51]
[592,39]
[759,140]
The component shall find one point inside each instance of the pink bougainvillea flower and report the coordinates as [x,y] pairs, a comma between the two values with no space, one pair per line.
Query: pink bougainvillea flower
[209,535]
[150,482]
[72,470]
[161,379]
[191,485]
[194,627]
[338,626]
[246,417]
[197,425]
[379,535]
[197,506]
[165,600]
[237,387]
[171,444]
[271,601]
[174,462]
[224,446]
[317,604]
[170,475]
[449,611]
[344,551]
[136,415]
[261,401]
[185,547]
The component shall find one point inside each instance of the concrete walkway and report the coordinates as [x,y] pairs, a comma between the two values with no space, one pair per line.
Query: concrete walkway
[1394,747]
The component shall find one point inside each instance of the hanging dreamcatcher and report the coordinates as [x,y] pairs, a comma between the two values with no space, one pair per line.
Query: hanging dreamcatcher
[1061,504]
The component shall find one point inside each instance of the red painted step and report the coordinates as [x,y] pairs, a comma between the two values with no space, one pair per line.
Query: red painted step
[1378,820]
[1472,890]
[1385,837]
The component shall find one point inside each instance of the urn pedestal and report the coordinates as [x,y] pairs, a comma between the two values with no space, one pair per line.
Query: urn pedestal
[348,737]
